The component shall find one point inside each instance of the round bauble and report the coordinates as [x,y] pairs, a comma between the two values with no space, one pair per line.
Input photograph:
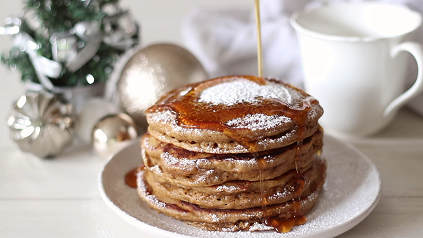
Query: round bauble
[92,111]
[151,72]
[42,124]
[113,133]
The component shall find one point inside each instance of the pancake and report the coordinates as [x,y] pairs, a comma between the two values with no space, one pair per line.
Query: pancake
[238,194]
[253,218]
[235,114]
[199,169]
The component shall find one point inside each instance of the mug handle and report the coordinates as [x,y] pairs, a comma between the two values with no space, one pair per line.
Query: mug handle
[416,50]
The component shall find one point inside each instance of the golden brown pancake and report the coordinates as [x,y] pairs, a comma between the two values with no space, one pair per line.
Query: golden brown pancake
[238,194]
[236,114]
[199,169]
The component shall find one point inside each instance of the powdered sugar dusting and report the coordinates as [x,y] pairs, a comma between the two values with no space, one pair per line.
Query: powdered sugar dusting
[258,121]
[207,175]
[142,188]
[281,139]
[279,194]
[193,166]
[172,161]
[156,169]
[162,116]
[228,189]
[167,117]
[260,227]
[215,218]
[244,91]
[183,92]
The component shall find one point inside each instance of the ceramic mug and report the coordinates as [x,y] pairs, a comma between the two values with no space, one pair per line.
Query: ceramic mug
[353,63]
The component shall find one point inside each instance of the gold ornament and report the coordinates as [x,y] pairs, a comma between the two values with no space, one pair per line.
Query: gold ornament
[112,133]
[153,71]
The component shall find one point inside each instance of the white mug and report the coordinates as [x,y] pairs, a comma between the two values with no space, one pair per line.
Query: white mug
[353,63]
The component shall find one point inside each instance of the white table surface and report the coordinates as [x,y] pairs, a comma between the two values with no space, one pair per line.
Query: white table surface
[60,197]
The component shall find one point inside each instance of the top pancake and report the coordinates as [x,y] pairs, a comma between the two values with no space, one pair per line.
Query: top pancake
[235,114]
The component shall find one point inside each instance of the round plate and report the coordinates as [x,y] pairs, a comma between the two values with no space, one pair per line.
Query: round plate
[351,192]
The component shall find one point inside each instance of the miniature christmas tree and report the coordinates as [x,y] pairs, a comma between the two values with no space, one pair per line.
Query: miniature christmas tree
[76,42]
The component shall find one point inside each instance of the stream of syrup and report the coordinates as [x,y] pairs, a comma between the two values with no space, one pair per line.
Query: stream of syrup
[259,47]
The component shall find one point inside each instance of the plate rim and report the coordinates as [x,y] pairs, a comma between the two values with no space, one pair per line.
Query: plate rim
[353,221]
[340,228]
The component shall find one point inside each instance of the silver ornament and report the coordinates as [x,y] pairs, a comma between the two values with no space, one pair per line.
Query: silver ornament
[41,124]
[153,71]
[112,133]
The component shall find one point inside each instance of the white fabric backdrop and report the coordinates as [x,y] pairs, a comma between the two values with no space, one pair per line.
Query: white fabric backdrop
[225,41]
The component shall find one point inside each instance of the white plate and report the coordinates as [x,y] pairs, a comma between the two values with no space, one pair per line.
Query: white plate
[351,192]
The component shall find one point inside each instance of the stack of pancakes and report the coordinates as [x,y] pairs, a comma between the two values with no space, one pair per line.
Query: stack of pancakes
[233,153]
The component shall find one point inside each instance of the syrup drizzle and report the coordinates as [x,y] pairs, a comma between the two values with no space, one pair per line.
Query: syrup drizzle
[286,225]
[259,45]
[261,164]
[131,177]
[191,113]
